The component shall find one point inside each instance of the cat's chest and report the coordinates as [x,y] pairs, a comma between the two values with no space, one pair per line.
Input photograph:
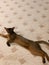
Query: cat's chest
[11,37]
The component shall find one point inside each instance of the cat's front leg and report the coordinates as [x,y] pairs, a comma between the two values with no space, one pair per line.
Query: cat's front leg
[5,36]
[8,43]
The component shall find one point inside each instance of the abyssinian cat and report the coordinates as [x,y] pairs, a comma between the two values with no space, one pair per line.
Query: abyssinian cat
[32,46]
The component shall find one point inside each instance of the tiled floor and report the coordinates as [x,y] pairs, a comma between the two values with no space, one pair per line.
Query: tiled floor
[31,20]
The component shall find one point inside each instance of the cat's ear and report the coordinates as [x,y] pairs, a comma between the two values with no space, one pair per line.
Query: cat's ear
[5,28]
[13,28]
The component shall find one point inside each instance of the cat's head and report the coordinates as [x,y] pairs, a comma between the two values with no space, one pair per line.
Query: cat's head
[10,30]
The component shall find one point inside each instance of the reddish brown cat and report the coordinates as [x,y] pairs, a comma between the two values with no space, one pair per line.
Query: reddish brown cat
[32,46]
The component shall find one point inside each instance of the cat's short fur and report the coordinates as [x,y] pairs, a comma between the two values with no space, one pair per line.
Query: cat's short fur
[32,46]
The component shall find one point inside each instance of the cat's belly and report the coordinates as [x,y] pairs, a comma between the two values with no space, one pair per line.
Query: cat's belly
[21,42]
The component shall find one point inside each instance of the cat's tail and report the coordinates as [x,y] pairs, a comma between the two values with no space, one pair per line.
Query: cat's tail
[43,42]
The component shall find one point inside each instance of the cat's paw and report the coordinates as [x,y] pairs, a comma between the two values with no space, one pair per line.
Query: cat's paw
[8,44]
[0,34]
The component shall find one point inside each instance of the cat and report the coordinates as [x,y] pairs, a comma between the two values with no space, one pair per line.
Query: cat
[32,46]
